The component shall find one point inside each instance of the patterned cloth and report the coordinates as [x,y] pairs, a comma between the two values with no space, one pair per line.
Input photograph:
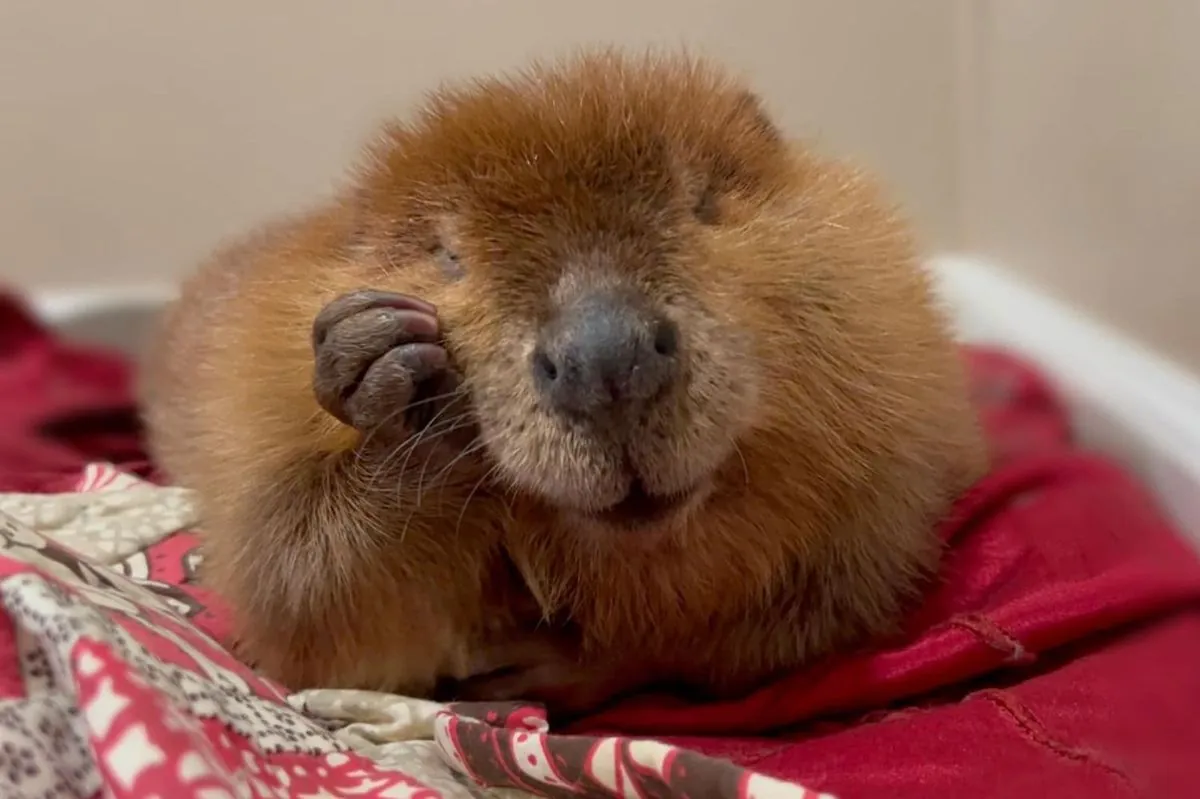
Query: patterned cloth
[111,517]
[118,687]
[1054,656]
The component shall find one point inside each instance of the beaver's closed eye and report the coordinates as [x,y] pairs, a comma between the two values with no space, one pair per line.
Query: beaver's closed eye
[706,208]
[451,265]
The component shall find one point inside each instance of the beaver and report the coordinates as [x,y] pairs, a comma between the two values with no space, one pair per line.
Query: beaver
[589,379]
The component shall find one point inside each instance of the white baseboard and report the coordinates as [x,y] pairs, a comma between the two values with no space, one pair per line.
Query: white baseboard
[1123,398]
[116,317]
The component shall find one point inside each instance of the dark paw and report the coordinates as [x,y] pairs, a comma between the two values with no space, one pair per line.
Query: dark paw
[379,364]
[564,688]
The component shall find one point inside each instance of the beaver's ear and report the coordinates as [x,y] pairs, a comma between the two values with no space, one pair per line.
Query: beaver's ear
[745,158]
[750,110]
[748,136]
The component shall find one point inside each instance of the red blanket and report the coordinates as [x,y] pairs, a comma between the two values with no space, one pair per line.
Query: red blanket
[1058,653]
[61,406]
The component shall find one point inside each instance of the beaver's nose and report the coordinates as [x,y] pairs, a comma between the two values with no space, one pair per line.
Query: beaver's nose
[608,350]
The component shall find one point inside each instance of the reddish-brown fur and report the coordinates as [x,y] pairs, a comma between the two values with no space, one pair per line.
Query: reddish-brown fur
[825,416]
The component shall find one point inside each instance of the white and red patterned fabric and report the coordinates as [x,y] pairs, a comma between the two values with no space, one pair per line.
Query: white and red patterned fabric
[113,683]
[1055,655]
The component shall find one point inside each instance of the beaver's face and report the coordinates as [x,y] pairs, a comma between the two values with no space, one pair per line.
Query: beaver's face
[612,388]
[589,235]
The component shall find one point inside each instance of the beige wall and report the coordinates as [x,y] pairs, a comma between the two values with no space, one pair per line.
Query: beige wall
[1083,170]
[1059,137]
[137,132]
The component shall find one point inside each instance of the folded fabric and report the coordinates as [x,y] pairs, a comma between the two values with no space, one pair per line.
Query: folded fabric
[1055,653]
[1057,647]
[62,405]
[107,688]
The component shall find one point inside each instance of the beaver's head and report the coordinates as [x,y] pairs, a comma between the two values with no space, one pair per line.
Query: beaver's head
[613,246]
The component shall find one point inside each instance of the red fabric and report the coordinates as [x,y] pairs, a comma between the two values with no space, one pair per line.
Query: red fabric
[1058,653]
[61,406]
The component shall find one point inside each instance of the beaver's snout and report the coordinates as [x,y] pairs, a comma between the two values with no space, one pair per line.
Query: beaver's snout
[606,354]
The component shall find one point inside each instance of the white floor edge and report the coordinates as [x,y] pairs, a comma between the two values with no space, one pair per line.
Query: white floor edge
[1125,399]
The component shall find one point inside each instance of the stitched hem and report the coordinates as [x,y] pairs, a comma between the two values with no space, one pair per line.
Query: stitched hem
[994,636]
[1035,732]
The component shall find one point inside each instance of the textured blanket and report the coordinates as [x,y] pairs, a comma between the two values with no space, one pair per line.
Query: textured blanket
[1055,654]
[114,684]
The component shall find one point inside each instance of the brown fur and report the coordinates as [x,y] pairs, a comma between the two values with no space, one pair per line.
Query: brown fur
[824,416]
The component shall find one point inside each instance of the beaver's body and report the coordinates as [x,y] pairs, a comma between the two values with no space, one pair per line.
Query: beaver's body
[685,395]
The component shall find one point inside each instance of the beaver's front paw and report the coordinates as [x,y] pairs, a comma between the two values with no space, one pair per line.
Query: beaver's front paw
[565,687]
[379,365]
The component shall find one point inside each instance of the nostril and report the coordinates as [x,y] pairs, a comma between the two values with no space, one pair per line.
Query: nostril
[666,338]
[604,352]
[544,367]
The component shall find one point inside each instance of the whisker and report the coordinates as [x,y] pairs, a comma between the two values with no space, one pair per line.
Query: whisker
[369,437]
[742,458]
[465,450]
[470,449]
[406,408]
[430,426]
[409,444]
[406,447]
[486,476]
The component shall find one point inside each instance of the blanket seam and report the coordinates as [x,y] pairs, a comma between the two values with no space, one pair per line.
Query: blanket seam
[994,636]
[1032,729]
